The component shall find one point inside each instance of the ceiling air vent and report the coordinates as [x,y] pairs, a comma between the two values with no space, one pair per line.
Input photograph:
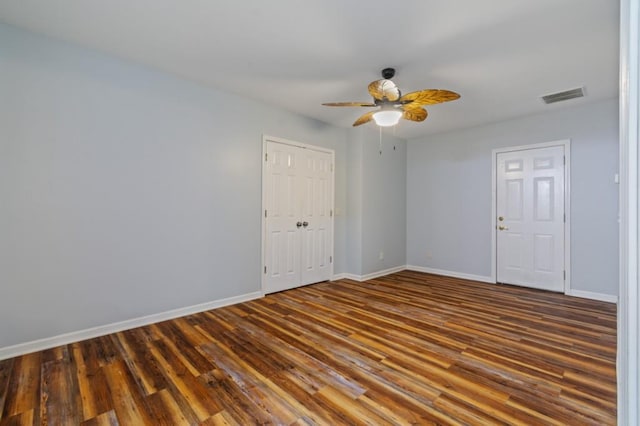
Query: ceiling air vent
[563,96]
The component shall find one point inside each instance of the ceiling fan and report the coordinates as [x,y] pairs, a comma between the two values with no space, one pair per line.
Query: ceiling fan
[392,105]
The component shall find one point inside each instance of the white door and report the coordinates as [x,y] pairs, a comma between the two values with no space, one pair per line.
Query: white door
[282,236]
[298,219]
[530,208]
[316,216]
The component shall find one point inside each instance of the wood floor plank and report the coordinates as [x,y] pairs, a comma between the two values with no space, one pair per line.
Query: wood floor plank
[60,393]
[408,348]
[26,418]
[167,412]
[184,346]
[6,367]
[23,393]
[183,382]
[262,391]
[105,419]
[92,381]
[223,418]
[353,411]
[140,361]
[308,372]
[125,397]
[240,408]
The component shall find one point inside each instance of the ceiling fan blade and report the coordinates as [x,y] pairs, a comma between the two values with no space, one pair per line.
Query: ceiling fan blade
[350,104]
[429,97]
[365,118]
[381,89]
[414,114]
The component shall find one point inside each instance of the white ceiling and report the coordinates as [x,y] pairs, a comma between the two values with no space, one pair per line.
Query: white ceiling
[500,55]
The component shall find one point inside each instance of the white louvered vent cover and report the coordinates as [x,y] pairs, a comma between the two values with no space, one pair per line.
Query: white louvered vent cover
[563,96]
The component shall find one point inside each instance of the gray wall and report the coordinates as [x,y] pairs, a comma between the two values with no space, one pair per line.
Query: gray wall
[384,202]
[376,201]
[127,192]
[449,193]
[354,201]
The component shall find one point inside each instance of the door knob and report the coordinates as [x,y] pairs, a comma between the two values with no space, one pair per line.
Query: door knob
[299,224]
[500,218]
[305,224]
[503,228]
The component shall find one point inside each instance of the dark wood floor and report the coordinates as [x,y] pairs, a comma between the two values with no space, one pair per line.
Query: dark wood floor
[409,348]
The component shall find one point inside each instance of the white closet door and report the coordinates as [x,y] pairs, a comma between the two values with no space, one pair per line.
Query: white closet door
[298,222]
[282,199]
[316,217]
[530,224]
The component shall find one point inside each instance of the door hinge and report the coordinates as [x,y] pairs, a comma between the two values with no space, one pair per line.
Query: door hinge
[564,218]
[564,275]
[330,259]
[265,213]
[265,269]
[265,156]
[331,213]
[564,160]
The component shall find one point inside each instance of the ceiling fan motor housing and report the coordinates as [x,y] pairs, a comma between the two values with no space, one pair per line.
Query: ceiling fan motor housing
[388,73]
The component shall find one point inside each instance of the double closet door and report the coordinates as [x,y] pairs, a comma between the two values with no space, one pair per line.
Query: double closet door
[298,215]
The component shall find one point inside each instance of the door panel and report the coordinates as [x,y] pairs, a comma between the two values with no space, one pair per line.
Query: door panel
[544,252]
[514,249]
[514,199]
[530,225]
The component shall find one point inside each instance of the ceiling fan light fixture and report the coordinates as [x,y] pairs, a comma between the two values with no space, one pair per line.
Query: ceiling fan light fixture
[387,117]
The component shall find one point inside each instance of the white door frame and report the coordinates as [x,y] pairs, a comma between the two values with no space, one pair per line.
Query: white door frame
[566,143]
[628,359]
[265,139]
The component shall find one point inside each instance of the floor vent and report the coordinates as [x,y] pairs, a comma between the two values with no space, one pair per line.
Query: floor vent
[563,96]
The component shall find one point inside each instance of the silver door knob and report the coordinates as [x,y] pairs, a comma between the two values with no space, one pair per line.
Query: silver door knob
[305,224]
[299,224]
[503,228]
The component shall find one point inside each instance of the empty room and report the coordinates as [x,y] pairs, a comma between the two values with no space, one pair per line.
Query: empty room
[319,212]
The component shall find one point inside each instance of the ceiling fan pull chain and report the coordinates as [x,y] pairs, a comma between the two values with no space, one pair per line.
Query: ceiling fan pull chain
[394,135]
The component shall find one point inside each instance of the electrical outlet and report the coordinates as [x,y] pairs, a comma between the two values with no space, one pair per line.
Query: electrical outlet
[381,256]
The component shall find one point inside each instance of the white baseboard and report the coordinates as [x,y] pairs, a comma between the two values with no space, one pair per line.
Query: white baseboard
[340,276]
[453,274]
[89,333]
[383,272]
[353,277]
[594,296]
[576,293]
[370,276]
